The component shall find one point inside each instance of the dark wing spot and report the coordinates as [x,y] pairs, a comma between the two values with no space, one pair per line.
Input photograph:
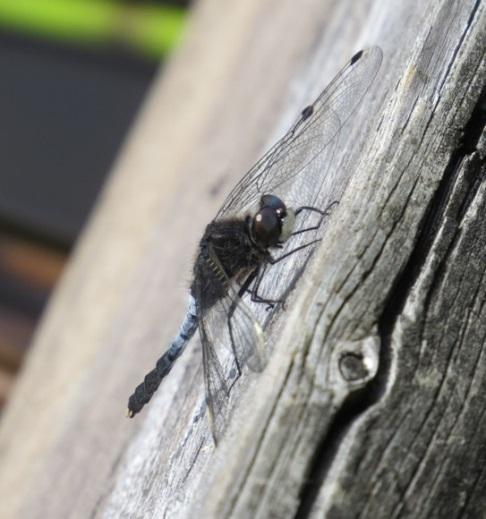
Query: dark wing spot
[356,57]
[307,112]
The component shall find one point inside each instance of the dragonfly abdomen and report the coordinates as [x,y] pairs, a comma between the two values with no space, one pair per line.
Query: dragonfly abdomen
[144,391]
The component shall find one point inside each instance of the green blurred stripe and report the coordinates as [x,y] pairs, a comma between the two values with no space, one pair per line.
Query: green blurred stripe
[153,30]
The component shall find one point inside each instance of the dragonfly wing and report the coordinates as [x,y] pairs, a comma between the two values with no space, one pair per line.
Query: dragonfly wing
[245,332]
[317,127]
[217,391]
[228,321]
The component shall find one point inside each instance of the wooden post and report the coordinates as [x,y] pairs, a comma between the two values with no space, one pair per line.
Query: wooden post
[372,404]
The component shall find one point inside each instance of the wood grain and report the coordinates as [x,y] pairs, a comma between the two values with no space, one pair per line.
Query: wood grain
[372,403]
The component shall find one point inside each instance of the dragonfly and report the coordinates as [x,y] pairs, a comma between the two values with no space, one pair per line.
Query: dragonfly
[271,215]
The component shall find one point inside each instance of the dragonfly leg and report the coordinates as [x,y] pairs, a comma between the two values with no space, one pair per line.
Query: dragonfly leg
[258,274]
[273,260]
[256,286]
[323,214]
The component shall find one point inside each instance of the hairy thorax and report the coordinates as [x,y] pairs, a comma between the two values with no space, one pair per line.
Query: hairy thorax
[229,241]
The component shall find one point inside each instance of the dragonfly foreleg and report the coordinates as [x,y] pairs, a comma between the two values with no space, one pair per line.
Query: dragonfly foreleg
[323,214]
[273,260]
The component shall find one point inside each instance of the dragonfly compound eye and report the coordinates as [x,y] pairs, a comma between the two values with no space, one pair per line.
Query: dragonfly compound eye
[275,203]
[266,227]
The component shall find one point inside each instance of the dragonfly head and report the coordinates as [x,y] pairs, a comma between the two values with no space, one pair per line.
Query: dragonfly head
[273,223]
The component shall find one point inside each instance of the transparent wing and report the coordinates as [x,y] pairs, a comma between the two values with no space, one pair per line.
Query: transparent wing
[318,191]
[245,332]
[217,390]
[228,322]
[316,129]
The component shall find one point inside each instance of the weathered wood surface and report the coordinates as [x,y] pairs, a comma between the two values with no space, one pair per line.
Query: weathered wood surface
[373,402]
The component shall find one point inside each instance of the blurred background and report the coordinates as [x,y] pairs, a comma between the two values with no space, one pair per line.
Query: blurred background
[73,74]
